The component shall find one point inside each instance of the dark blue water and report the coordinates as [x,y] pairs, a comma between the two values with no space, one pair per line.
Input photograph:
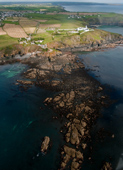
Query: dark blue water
[114,29]
[107,67]
[94,8]
[23,124]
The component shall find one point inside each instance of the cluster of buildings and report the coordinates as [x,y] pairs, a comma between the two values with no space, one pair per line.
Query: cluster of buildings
[74,16]
[5,14]
[27,40]
[83,29]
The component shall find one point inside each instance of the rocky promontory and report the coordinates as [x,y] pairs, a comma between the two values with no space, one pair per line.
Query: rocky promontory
[78,100]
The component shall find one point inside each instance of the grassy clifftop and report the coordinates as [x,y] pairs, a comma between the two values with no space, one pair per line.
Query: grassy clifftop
[96,36]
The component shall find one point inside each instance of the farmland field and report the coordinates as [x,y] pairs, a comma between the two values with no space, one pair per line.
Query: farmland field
[15,31]
[2,32]
[49,25]
[6,40]
[28,25]
[41,20]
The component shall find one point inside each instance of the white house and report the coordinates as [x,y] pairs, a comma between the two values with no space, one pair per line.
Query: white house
[82,29]
[39,41]
[28,38]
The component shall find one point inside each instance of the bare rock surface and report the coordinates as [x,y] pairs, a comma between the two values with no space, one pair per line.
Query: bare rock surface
[45,144]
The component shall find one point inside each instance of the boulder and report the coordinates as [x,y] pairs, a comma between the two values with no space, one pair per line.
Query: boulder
[57,98]
[48,100]
[87,109]
[69,151]
[84,145]
[25,82]
[79,155]
[74,165]
[74,136]
[45,144]
[106,166]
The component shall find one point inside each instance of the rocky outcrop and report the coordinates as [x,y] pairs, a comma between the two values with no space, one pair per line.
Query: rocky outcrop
[78,99]
[25,82]
[45,144]
[71,154]
[107,166]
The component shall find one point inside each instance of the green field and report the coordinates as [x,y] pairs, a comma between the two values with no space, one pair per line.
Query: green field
[50,36]
[11,22]
[6,40]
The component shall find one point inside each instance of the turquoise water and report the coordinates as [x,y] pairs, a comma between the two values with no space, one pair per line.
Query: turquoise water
[94,8]
[24,121]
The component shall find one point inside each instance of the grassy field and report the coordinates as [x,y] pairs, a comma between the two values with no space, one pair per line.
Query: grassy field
[36,24]
[6,40]
[11,22]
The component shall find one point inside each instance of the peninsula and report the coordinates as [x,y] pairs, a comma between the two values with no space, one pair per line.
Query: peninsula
[47,39]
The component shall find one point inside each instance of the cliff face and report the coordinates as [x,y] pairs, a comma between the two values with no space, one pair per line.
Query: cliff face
[111,21]
[89,41]
[17,49]
[105,19]
[84,42]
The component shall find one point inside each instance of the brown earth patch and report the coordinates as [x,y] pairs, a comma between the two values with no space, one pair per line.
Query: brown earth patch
[2,32]
[15,31]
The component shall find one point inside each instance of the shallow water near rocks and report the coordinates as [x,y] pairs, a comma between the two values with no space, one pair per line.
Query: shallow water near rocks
[24,121]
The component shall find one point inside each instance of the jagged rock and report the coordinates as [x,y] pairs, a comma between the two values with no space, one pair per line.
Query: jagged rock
[106,166]
[79,155]
[68,124]
[74,165]
[84,124]
[69,151]
[69,115]
[84,145]
[72,95]
[25,82]
[74,136]
[87,109]
[61,104]
[100,89]
[45,144]
[63,165]
[55,82]
[80,129]
[31,73]
[57,98]
[66,158]
[76,121]
[48,100]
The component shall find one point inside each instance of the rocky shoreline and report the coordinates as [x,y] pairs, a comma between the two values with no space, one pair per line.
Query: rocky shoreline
[79,100]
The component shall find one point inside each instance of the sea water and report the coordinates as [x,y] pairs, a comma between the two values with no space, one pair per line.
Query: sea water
[107,67]
[94,8]
[24,121]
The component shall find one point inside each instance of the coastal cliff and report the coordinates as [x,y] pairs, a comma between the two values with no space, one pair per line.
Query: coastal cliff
[88,41]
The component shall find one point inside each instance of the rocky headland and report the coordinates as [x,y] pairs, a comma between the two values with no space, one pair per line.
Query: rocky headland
[78,99]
